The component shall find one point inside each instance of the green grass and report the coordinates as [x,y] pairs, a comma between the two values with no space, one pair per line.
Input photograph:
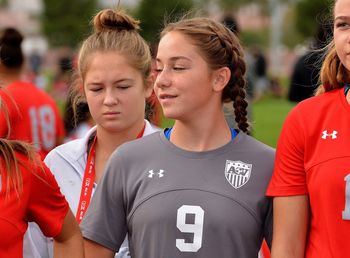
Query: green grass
[269,114]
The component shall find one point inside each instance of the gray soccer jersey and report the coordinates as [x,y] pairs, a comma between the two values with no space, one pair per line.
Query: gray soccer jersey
[176,203]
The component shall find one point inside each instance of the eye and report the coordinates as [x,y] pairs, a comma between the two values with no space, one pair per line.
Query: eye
[123,87]
[341,25]
[95,89]
[178,68]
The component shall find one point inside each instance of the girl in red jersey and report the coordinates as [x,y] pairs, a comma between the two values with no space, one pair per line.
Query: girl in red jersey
[33,114]
[311,181]
[29,192]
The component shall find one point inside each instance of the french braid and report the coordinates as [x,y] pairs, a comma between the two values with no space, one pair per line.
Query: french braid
[220,47]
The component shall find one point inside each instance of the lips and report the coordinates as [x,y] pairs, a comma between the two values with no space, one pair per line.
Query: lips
[167,96]
[111,113]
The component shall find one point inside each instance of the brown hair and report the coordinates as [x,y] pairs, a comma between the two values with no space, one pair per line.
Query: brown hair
[333,73]
[220,47]
[114,30]
[11,55]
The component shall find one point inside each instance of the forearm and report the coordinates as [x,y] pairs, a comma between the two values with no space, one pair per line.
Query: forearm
[93,250]
[290,226]
[69,243]
[70,248]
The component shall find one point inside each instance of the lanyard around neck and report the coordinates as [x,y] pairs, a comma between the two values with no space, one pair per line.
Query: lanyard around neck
[89,179]
[88,183]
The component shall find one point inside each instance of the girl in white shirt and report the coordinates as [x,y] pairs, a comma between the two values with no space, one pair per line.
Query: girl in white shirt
[114,65]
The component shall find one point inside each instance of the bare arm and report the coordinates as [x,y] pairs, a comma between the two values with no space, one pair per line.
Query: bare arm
[69,243]
[93,250]
[290,224]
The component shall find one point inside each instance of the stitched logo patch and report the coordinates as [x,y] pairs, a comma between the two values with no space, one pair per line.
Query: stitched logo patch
[237,173]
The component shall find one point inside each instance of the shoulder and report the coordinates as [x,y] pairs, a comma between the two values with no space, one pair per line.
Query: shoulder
[144,143]
[317,102]
[314,108]
[70,151]
[33,169]
[252,145]
[140,147]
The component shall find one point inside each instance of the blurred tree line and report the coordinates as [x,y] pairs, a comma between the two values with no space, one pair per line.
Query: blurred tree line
[3,3]
[66,22]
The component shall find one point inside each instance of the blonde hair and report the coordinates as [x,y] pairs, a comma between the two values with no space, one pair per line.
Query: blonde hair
[114,30]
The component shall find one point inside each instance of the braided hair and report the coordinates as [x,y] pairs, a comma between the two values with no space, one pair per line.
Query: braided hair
[220,47]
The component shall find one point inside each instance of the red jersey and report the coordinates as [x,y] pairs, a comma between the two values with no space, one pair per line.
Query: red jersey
[313,157]
[34,116]
[41,201]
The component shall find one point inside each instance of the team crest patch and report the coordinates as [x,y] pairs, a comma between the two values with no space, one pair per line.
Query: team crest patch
[237,173]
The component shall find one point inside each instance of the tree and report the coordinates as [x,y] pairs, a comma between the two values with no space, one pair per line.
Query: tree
[3,3]
[66,22]
[153,14]
[311,13]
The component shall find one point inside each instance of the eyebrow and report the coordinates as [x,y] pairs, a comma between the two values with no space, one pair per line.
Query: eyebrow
[175,58]
[117,81]
[342,17]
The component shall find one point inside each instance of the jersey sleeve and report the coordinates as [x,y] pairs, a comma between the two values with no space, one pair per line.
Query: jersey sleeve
[289,177]
[105,219]
[47,206]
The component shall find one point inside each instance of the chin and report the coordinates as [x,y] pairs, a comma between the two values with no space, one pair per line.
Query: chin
[114,127]
[169,114]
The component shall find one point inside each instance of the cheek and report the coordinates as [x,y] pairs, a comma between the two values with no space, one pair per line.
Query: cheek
[339,42]
[93,103]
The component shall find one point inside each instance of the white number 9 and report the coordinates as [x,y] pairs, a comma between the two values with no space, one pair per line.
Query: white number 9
[196,228]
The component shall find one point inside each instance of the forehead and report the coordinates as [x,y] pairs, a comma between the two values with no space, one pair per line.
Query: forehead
[342,8]
[174,44]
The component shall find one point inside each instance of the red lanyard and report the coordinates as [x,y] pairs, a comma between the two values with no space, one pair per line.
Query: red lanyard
[89,180]
[88,183]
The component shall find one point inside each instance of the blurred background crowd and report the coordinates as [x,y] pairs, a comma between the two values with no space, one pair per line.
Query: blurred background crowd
[282,39]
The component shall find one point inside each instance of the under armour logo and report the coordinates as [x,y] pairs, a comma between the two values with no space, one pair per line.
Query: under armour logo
[160,173]
[333,135]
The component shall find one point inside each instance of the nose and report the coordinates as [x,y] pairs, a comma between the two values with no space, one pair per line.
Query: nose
[110,98]
[163,79]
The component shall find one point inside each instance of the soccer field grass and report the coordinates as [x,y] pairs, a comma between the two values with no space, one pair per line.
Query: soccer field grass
[269,114]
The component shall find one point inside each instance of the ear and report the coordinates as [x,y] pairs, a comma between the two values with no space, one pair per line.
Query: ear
[221,77]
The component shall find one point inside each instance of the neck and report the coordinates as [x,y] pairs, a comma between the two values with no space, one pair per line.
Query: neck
[9,76]
[206,135]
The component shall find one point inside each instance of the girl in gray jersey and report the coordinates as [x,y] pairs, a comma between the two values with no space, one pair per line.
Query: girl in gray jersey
[114,65]
[197,189]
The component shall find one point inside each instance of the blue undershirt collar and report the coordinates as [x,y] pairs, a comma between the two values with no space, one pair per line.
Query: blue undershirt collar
[167,132]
